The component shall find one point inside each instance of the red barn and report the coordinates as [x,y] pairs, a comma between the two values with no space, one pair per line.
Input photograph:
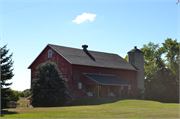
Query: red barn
[92,73]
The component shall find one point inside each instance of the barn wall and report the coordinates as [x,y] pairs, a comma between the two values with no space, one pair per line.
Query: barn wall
[77,72]
[63,65]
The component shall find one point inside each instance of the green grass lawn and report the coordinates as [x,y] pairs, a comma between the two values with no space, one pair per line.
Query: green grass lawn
[116,109]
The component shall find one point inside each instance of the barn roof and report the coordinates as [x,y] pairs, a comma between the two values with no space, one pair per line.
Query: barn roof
[106,79]
[92,58]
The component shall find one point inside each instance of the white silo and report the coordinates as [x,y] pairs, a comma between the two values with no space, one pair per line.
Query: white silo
[135,57]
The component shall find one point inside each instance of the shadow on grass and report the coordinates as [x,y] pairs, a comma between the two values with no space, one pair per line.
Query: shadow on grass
[7,112]
[93,101]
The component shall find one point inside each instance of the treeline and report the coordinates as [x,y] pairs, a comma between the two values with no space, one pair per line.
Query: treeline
[26,93]
[161,71]
[15,95]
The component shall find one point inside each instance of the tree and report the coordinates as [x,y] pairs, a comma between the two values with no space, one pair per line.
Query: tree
[26,90]
[14,96]
[21,94]
[6,74]
[161,73]
[171,74]
[49,87]
[126,57]
[25,93]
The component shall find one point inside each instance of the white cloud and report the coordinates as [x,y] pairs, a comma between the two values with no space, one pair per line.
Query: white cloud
[85,16]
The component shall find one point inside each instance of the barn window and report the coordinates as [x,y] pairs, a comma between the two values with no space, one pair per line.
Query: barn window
[49,53]
[80,85]
[129,87]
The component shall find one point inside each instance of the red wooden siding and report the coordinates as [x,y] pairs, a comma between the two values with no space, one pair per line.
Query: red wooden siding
[74,73]
[128,76]
[63,65]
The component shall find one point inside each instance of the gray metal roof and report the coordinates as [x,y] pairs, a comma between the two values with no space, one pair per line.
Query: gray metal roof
[92,58]
[106,79]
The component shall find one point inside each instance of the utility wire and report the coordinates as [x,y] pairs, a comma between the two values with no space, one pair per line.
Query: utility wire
[178,2]
[25,7]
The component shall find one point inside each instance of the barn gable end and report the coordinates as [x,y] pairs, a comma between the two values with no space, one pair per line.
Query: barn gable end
[63,64]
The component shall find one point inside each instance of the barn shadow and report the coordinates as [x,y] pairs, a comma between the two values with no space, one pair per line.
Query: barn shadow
[93,101]
[7,112]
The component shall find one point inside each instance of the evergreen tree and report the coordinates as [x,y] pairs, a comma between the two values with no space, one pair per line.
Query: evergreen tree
[49,87]
[6,74]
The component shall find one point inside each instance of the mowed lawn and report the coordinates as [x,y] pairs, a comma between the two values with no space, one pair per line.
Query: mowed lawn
[119,109]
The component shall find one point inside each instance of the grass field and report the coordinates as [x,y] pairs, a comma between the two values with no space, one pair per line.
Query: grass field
[101,108]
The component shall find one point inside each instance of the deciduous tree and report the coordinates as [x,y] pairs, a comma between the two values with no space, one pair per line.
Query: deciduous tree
[14,96]
[25,93]
[161,69]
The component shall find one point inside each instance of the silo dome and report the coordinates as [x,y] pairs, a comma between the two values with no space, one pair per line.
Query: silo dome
[135,50]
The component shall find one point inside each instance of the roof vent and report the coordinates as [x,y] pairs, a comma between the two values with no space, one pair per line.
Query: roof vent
[85,47]
[135,47]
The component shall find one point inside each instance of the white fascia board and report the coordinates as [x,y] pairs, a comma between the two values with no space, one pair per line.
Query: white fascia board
[37,56]
[59,53]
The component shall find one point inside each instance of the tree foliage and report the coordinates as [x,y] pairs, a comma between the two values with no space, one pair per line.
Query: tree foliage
[14,96]
[25,93]
[6,74]
[49,87]
[161,69]
[126,57]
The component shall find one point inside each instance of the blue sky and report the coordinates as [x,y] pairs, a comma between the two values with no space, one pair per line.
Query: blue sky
[115,26]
